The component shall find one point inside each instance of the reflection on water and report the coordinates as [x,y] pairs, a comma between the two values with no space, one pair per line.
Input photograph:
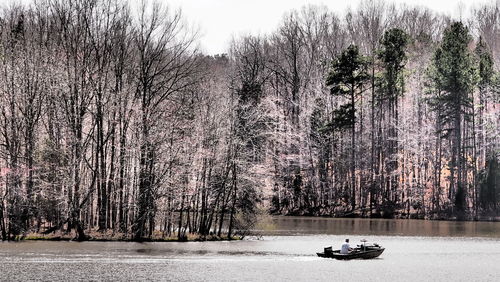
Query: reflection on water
[280,225]
[472,254]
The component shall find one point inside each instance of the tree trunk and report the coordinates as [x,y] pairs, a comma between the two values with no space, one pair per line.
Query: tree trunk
[353,151]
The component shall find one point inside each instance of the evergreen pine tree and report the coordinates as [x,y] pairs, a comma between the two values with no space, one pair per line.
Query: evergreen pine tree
[393,58]
[455,76]
[346,78]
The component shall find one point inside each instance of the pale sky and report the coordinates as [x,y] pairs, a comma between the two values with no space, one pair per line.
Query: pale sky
[220,20]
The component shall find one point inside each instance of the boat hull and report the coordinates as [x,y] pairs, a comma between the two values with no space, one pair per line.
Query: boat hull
[356,254]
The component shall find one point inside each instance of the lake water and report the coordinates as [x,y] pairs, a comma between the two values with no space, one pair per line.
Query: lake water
[415,251]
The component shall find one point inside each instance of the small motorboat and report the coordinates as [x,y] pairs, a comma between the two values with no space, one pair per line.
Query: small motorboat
[363,251]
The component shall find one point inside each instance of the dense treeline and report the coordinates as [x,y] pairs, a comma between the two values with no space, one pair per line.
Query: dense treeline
[112,121]
[401,121]
[404,121]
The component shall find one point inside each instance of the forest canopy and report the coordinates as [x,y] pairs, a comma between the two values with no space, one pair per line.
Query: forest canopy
[113,122]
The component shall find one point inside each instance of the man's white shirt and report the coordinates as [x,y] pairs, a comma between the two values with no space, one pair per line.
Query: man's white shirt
[345,248]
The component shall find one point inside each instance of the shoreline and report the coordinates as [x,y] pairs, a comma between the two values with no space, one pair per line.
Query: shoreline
[102,238]
[479,219]
[109,236]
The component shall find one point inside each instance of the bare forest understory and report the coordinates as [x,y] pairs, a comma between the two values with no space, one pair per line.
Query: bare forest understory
[114,126]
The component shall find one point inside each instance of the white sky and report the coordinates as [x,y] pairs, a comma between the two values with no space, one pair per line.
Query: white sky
[220,20]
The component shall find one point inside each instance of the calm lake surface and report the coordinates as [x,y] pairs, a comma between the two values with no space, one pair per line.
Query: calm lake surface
[415,251]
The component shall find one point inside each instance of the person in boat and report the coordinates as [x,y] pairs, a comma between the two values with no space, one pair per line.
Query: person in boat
[346,248]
